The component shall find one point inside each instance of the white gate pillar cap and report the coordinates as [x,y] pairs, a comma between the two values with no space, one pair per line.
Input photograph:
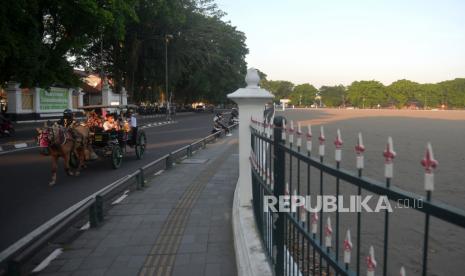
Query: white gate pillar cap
[252,90]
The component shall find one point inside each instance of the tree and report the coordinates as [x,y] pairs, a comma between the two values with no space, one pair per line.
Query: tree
[367,94]
[280,89]
[429,95]
[453,93]
[402,92]
[303,94]
[333,96]
[38,38]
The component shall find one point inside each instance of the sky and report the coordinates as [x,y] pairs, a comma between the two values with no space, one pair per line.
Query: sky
[330,42]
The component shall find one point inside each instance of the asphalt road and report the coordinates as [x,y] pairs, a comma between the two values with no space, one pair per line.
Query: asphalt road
[26,200]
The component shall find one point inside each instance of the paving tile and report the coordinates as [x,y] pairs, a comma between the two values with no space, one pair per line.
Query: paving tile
[71,264]
[122,271]
[188,270]
[213,270]
[78,253]
[97,262]
[182,259]
[56,273]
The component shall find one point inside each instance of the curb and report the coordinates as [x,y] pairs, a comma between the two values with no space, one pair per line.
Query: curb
[250,255]
[17,146]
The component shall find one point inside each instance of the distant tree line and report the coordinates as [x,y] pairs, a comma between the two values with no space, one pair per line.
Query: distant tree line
[42,41]
[371,94]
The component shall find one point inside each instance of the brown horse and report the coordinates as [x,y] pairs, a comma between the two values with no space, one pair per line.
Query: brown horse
[58,141]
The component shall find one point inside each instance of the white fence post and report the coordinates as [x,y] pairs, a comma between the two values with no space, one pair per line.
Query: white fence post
[251,102]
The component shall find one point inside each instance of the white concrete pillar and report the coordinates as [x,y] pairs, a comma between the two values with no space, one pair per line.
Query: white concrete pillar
[14,98]
[36,98]
[251,102]
[80,96]
[106,93]
[70,98]
[124,96]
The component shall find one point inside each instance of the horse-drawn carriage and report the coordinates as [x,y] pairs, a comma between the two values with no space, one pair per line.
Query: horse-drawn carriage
[112,143]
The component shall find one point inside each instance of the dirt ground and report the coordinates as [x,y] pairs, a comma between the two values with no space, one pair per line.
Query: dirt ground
[410,130]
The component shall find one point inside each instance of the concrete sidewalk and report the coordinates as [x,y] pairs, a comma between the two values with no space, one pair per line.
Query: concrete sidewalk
[179,225]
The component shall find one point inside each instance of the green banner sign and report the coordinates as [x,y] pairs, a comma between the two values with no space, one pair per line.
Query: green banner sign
[54,99]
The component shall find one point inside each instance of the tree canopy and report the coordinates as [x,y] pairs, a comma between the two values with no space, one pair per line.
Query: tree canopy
[371,94]
[42,41]
[333,96]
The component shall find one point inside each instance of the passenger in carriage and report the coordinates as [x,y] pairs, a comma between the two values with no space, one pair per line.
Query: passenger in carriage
[94,122]
[110,124]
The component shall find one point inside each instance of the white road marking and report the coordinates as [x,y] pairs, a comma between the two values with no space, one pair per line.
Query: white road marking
[57,252]
[85,226]
[121,198]
[16,150]
[159,172]
[20,145]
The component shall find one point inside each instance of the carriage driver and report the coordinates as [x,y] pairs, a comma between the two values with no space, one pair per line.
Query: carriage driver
[133,123]
[68,118]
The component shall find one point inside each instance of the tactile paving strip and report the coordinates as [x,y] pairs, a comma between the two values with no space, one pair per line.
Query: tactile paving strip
[160,260]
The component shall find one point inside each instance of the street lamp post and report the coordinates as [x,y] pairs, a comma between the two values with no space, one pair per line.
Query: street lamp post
[168,94]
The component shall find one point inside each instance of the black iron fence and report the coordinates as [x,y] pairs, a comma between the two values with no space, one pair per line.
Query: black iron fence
[21,257]
[301,240]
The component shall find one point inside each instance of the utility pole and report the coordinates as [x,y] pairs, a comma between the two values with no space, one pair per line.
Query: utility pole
[168,94]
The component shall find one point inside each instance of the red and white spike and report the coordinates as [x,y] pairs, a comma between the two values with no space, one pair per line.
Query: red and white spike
[402,271]
[429,163]
[359,149]
[389,155]
[347,247]
[321,148]
[328,233]
[284,130]
[371,262]
[338,143]
[291,132]
[299,135]
[314,222]
[309,138]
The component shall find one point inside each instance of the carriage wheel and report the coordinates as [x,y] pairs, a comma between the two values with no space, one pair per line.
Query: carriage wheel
[73,161]
[116,157]
[140,144]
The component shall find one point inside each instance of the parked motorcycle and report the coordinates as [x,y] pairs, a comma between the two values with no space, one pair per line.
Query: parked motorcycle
[218,124]
[234,118]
